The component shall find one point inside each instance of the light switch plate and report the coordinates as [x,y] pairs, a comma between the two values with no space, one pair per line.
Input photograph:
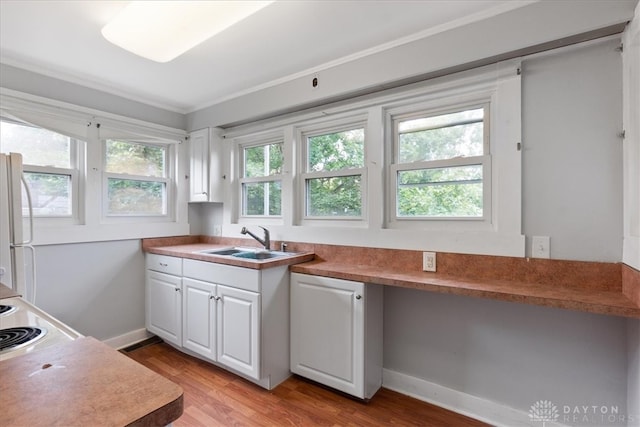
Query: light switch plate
[429,261]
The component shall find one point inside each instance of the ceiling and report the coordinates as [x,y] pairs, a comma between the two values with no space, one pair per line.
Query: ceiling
[287,39]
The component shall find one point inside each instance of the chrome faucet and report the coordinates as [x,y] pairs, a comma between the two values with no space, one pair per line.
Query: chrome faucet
[266,242]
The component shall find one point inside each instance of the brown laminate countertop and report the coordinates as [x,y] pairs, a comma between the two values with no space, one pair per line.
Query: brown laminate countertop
[84,383]
[602,301]
[192,250]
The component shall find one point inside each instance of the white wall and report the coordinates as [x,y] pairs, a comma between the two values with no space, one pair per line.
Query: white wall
[48,87]
[511,354]
[633,370]
[572,159]
[532,23]
[96,288]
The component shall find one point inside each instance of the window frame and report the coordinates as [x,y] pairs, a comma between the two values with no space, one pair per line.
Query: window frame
[241,146]
[303,133]
[483,160]
[76,164]
[73,217]
[167,179]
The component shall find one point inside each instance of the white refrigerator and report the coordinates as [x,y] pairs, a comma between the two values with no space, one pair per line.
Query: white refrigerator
[17,256]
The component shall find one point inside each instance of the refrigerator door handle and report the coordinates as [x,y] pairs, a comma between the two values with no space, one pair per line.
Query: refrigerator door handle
[33,273]
[28,193]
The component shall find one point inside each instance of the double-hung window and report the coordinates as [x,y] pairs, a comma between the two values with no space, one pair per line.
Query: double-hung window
[49,165]
[333,175]
[261,179]
[136,179]
[442,165]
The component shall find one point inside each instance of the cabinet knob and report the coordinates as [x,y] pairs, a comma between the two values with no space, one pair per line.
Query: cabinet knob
[358,296]
[215,297]
[177,289]
[162,264]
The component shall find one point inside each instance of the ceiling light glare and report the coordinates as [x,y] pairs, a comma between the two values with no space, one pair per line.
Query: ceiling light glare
[163,30]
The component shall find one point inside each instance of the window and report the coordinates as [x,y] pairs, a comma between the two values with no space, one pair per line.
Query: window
[136,179]
[49,167]
[261,179]
[333,173]
[442,165]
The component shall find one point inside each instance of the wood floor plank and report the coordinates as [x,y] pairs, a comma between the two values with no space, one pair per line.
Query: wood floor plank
[216,397]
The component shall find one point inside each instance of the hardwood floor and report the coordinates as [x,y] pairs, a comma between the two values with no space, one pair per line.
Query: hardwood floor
[215,397]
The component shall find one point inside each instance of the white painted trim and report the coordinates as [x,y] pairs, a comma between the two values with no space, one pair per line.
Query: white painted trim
[466,404]
[128,339]
[631,142]
[13,98]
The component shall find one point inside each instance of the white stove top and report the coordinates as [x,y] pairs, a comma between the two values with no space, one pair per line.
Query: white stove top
[26,314]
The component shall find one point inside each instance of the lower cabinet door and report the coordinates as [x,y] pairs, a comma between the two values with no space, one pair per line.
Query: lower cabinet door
[199,317]
[327,332]
[238,330]
[164,306]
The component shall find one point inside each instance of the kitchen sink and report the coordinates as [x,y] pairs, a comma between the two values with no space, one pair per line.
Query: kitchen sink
[247,253]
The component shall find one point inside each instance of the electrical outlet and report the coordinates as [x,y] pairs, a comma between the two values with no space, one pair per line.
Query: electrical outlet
[217,230]
[540,246]
[429,261]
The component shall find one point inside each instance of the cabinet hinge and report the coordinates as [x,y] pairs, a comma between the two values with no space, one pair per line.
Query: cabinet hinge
[622,134]
[620,48]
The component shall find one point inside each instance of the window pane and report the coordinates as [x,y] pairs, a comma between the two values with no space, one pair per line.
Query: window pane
[132,197]
[442,192]
[441,137]
[262,198]
[39,147]
[135,159]
[50,194]
[336,151]
[336,196]
[263,160]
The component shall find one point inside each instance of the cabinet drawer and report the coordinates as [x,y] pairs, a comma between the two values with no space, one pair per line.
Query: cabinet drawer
[164,264]
[221,274]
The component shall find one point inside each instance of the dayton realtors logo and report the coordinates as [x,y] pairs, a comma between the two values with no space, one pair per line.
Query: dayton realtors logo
[545,411]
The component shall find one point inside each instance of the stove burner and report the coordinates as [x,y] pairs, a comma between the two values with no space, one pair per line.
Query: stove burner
[12,338]
[7,309]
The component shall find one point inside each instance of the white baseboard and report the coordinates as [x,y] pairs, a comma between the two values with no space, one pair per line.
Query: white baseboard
[462,403]
[130,338]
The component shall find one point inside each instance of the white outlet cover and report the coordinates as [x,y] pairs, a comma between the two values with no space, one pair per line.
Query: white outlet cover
[429,261]
[540,246]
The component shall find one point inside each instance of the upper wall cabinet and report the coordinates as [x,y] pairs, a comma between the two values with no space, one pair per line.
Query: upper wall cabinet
[206,177]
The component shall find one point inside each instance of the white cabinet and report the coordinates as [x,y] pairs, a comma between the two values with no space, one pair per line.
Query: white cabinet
[336,333]
[199,308]
[163,301]
[238,330]
[237,318]
[206,176]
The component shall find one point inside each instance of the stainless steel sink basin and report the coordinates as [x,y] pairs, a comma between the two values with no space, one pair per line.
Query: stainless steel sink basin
[247,253]
[260,255]
[220,251]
